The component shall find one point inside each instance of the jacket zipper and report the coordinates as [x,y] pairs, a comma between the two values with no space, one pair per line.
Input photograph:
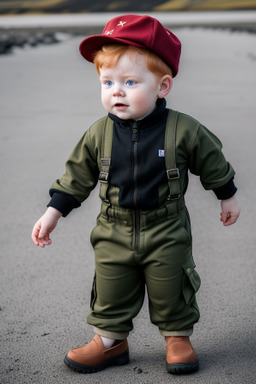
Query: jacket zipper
[135,139]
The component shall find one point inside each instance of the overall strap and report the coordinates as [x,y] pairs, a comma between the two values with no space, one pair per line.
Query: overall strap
[173,174]
[105,161]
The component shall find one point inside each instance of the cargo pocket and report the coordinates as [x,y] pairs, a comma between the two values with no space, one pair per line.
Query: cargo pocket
[191,282]
[93,293]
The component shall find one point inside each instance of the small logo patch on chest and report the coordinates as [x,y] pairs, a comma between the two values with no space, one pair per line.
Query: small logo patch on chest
[161,153]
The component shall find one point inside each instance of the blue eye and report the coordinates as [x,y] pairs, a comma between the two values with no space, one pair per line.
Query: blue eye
[130,82]
[108,83]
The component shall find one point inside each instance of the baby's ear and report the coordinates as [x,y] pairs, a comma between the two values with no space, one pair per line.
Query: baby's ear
[165,86]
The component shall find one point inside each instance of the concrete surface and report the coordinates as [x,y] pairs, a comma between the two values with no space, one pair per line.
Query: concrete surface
[49,96]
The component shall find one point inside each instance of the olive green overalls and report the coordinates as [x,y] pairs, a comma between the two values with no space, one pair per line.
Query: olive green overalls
[135,248]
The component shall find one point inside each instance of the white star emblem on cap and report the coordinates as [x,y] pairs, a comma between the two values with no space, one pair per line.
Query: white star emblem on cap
[121,23]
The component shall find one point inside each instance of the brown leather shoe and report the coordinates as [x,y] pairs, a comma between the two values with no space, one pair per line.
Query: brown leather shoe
[93,357]
[180,355]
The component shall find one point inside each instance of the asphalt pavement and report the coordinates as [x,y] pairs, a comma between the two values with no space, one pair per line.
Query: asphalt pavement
[49,97]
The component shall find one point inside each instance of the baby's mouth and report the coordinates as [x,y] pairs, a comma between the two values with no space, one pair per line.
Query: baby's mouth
[120,105]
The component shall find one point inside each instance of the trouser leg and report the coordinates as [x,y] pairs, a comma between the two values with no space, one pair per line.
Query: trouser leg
[170,276]
[119,287]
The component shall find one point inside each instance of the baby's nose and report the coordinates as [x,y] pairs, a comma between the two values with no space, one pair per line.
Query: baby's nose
[118,91]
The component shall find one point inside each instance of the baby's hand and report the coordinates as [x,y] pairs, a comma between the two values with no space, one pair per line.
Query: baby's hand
[44,226]
[230,211]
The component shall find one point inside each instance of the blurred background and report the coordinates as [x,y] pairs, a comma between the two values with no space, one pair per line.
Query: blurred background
[49,95]
[14,7]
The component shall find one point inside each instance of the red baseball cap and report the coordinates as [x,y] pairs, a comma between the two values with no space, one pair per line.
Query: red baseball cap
[139,31]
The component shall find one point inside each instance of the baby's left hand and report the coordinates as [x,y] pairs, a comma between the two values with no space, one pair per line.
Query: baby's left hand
[230,211]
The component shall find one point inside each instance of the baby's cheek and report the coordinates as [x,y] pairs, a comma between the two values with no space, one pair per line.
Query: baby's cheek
[105,100]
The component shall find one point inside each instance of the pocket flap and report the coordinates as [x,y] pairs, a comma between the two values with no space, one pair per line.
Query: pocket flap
[191,282]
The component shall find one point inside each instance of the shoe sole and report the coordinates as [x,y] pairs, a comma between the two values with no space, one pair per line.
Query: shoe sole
[116,360]
[182,368]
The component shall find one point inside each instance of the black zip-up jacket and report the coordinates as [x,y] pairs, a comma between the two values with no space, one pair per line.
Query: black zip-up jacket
[136,166]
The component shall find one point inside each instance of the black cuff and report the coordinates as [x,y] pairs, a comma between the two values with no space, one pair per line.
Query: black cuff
[63,202]
[226,191]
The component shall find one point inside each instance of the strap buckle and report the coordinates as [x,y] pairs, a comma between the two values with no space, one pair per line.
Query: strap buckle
[103,177]
[105,161]
[173,197]
[173,174]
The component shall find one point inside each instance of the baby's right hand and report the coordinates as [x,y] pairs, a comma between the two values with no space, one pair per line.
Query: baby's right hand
[44,226]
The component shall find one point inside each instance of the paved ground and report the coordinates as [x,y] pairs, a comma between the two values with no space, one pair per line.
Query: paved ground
[49,96]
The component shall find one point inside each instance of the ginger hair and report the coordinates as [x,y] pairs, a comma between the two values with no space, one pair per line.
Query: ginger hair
[109,55]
